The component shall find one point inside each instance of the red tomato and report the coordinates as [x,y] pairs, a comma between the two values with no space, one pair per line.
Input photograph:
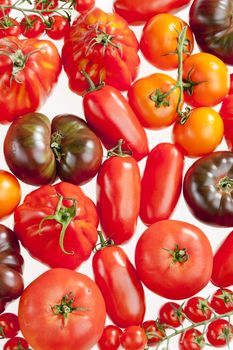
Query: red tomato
[192,339]
[57,27]
[10,193]
[133,338]
[226,112]
[178,251]
[72,311]
[16,343]
[48,6]
[161,183]
[197,309]
[9,325]
[110,338]
[222,301]
[5,11]
[32,26]
[219,333]
[154,332]
[160,38]
[171,314]
[9,26]
[231,87]
[84,5]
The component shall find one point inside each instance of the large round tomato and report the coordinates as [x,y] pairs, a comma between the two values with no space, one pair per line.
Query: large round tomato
[10,193]
[28,71]
[174,259]
[62,309]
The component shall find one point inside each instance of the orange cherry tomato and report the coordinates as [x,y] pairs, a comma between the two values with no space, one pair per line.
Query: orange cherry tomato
[201,133]
[160,39]
[10,193]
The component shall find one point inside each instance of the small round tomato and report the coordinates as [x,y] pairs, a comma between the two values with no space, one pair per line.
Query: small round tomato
[5,11]
[154,332]
[57,27]
[32,26]
[192,339]
[200,133]
[16,343]
[219,333]
[110,338]
[9,325]
[9,26]
[222,301]
[206,80]
[84,5]
[48,6]
[10,193]
[171,314]
[152,102]
[133,338]
[159,41]
[197,309]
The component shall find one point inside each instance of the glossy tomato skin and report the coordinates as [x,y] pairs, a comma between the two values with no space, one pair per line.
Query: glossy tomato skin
[32,27]
[161,183]
[125,302]
[82,329]
[138,12]
[211,23]
[231,87]
[46,5]
[170,314]
[84,5]
[9,325]
[10,193]
[111,58]
[57,27]
[209,199]
[150,326]
[197,309]
[43,242]
[221,301]
[6,11]
[216,330]
[150,114]
[159,40]
[26,92]
[9,26]
[226,112]
[118,197]
[110,338]
[133,338]
[188,340]
[153,258]
[111,118]
[16,343]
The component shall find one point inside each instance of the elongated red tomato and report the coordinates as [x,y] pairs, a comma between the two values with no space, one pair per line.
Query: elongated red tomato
[120,286]
[118,197]
[161,183]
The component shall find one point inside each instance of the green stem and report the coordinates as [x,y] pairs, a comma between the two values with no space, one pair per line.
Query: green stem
[117,150]
[180,48]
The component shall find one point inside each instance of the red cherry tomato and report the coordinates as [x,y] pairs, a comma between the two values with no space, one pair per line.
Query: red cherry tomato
[6,11]
[222,301]
[84,5]
[219,333]
[231,87]
[46,5]
[16,343]
[191,340]
[133,338]
[171,314]
[9,26]
[32,26]
[9,325]
[197,309]
[153,332]
[57,27]
[110,339]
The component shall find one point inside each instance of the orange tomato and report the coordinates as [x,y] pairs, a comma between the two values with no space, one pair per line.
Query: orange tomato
[160,39]
[10,193]
[201,133]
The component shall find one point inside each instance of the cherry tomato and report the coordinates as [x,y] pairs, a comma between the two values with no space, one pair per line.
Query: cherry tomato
[110,339]
[57,27]
[47,5]
[154,332]
[6,11]
[9,325]
[231,87]
[9,26]
[222,301]
[32,26]
[133,338]
[84,5]
[171,314]
[159,41]
[191,340]
[219,333]
[10,193]
[206,80]
[16,343]
[201,133]
[197,309]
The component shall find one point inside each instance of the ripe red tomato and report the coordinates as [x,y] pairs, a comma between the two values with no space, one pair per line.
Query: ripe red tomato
[197,309]
[84,5]
[180,252]
[133,338]
[5,11]
[110,338]
[16,343]
[154,332]
[171,314]
[32,26]
[9,325]
[57,27]
[10,193]
[48,6]
[72,310]
[9,26]
[226,112]
[219,333]
[222,301]
[231,87]
[191,340]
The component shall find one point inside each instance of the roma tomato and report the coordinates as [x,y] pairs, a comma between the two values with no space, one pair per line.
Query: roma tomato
[57,225]
[198,309]
[178,251]
[152,101]
[192,339]
[9,325]
[84,5]
[9,27]
[154,332]
[219,333]
[110,338]
[22,64]
[10,193]
[133,338]
[16,343]
[72,311]
[159,41]
[119,284]
[200,133]
[32,26]
[222,301]
[161,183]
[226,112]
[57,27]
[102,45]
[171,314]
[205,79]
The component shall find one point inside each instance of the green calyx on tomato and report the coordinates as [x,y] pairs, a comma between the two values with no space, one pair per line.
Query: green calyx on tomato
[101,38]
[103,242]
[179,255]
[225,184]
[117,150]
[56,146]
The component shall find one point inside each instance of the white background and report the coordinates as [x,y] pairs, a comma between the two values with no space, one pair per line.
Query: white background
[64,101]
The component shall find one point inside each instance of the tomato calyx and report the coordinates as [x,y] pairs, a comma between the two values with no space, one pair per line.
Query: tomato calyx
[189,84]
[63,215]
[103,242]
[101,38]
[6,22]
[161,98]
[117,151]
[179,255]
[55,144]
[226,297]
[225,184]
[92,86]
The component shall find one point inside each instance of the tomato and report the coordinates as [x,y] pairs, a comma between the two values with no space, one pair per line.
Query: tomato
[110,338]
[178,251]
[198,309]
[171,314]
[231,88]
[5,11]
[57,27]
[16,343]
[206,80]
[147,97]
[154,332]
[159,41]
[72,311]
[192,339]
[226,112]
[9,26]
[10,193]
[219,333]
[102,45]
[22,90]
[120,285]
[161,183]
[137,11]
[32,26]
[48,6]
[200,133]
[222,301]
[84,5]
[9,325]
[133,338]
[57,225]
